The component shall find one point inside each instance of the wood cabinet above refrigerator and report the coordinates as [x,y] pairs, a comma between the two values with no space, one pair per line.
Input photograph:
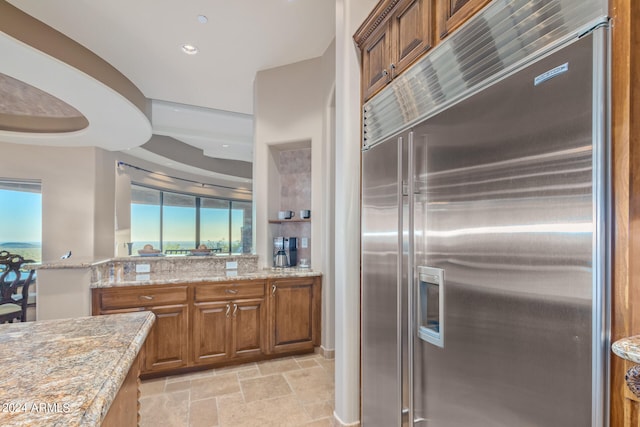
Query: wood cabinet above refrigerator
[399,32]
[394,35]
[452,13]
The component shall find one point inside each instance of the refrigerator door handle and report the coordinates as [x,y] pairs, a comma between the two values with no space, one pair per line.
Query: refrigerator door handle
[410,265]
[431,292]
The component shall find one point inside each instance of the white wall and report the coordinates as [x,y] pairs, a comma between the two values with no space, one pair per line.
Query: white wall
[77,196]
[287,109]
[349,16]
[77,214]
[291,107]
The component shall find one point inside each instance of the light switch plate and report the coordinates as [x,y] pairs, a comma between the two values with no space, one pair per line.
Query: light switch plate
[232,265]
[304,242]
[143,268]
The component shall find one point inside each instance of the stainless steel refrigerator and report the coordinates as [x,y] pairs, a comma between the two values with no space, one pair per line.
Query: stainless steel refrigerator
[485,251]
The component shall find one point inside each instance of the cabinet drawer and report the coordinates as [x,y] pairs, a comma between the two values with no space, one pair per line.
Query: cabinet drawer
[143,297]
[229,290]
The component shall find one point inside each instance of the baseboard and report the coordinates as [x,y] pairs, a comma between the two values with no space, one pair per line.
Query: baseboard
[325,352]
[339,423]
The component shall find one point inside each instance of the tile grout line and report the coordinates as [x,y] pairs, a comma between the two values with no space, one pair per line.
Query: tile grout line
[280,367]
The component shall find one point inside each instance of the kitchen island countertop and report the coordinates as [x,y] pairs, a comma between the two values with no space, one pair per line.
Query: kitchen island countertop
[67,372]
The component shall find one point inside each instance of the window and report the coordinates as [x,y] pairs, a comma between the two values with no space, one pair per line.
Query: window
[145,218]
[172,222]
[178,221]
[214,224]
[241,220]
[21,218]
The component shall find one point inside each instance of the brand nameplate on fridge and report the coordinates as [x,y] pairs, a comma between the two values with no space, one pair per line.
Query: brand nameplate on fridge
[561,69]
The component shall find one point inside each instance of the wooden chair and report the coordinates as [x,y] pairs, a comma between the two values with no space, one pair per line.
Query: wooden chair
[14,290]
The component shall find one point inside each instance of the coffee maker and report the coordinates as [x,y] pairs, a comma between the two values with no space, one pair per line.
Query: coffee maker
[285,251]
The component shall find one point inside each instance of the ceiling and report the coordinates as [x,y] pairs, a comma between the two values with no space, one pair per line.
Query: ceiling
[206,99]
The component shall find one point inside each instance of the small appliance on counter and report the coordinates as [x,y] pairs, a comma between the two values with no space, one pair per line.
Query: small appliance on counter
[285,251]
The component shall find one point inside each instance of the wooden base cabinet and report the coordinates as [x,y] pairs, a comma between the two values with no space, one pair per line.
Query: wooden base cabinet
[229,321]
[249,327]
[210,324]
[211,332]
[227,330]
[166,347]
[294,314]
[125,408]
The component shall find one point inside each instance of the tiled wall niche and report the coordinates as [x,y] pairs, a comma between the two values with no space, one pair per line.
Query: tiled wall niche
[290,189]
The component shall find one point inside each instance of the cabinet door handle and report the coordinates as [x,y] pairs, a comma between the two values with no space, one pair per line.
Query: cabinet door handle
[235,309]
[147,297]
[385,72]
[228,309]
[393,66]
[231,291]
[273,289]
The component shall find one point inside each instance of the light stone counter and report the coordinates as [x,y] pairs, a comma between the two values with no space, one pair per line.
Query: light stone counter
[629,349]
[133,279]
[79,262]
[67,372]
[64,286]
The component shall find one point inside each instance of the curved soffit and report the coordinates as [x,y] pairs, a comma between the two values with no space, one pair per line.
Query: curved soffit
[116,111]
[24,108]
[171,148]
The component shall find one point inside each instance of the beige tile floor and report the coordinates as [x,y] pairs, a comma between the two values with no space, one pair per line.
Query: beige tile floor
[292,391]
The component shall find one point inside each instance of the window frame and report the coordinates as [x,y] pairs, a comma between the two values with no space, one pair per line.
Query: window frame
[198,204]
[26,186]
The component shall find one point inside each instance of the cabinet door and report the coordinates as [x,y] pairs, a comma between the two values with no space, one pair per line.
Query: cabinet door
[248,325]
[453,13]
[292,315]
[376,61]
[167,344]
[211,332]
[412,31]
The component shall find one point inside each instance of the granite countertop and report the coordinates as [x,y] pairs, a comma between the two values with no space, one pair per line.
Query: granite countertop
[196,277]
[67,372]
[80,262]
[628,348]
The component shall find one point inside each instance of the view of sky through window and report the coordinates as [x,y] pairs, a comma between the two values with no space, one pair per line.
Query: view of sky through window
[21,219]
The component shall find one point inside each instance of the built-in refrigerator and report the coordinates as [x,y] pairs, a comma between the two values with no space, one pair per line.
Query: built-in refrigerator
[485,245]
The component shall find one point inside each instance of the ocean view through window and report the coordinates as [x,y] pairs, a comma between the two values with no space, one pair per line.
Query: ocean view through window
[174,222]
[21,218]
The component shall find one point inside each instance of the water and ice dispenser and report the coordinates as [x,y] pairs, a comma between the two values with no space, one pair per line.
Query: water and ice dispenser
[431,305]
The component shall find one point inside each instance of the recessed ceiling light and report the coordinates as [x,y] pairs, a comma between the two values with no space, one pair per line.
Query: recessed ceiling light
[189,49]
[202,19]
[225,145]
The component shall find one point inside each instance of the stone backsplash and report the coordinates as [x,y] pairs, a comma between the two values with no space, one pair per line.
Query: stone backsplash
[188,265]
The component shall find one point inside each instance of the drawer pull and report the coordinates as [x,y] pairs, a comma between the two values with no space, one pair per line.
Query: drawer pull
[231,291]
[235,309]
[147,297]
[228,309]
